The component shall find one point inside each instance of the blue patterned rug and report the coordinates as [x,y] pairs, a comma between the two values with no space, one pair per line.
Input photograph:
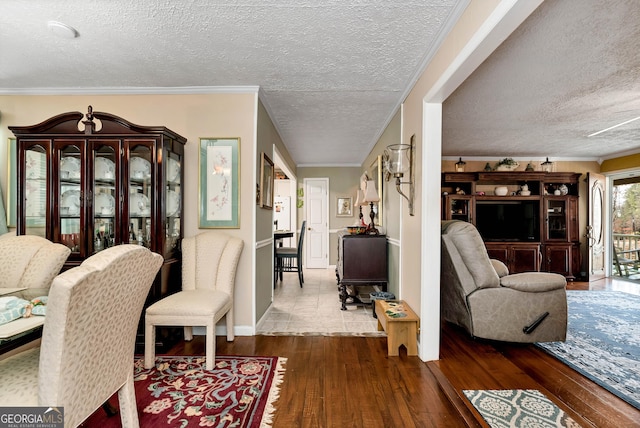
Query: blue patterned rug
[518,408]
[603,341]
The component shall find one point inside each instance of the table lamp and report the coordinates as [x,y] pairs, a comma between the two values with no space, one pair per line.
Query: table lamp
[371,196]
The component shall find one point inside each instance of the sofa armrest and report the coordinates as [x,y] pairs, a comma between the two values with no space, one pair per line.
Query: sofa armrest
[534,282]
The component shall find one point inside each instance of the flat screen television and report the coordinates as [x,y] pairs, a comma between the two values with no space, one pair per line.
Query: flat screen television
[508,220]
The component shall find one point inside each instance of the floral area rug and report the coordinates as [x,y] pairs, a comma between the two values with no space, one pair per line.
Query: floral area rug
[518,408]
[180,392]
[603,341]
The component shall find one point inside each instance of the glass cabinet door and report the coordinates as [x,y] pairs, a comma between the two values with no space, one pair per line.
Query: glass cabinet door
[459,208]
[105,206]
[556,219]
[70,197]
[173,198]
[35,191]
[140,196]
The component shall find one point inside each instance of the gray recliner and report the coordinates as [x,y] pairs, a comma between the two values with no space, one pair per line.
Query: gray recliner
[478,293]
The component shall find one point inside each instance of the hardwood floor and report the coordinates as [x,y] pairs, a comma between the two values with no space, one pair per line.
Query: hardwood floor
[337,381]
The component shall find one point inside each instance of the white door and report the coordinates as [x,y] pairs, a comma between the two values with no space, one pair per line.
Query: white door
[317,214]
[595,226]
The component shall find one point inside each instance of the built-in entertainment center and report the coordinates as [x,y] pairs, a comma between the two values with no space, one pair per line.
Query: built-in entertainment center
[528,220]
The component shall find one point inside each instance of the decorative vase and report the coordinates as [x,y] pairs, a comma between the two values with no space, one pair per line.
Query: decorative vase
[501,190]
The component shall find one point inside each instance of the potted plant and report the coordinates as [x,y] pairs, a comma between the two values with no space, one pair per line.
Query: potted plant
[506,164]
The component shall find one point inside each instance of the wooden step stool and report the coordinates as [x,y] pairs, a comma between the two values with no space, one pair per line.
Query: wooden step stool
[401,324]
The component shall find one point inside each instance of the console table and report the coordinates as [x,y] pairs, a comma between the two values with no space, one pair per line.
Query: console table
[362,260]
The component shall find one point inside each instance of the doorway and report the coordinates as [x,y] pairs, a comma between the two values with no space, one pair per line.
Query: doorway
[625,226]
[317,216]
[285,212]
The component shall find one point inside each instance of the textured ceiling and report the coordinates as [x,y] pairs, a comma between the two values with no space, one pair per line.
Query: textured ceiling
[571,69]
[332,72]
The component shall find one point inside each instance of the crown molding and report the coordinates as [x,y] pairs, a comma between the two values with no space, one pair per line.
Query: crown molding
[158,90]
[522,158]
[619,154]
[329,165]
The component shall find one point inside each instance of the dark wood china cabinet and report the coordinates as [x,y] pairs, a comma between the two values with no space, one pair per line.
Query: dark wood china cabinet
[96,180]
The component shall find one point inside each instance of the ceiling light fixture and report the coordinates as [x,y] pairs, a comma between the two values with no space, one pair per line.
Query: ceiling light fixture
[614,126]
[62,30]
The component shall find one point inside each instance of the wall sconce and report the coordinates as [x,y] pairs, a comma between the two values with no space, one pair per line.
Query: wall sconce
[371,196]
[547,166]
[460,165]
[399,160]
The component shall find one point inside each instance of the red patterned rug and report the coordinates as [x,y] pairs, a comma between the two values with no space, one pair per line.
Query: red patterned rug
[179,392]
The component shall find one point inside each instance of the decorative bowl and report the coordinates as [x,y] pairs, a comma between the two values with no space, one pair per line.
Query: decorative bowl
[501,190]
[356,230]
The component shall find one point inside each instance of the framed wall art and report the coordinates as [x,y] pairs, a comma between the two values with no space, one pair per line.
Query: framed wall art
[219,183]
[344,207]
[266,182]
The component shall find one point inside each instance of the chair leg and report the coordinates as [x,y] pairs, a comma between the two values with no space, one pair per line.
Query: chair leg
[210,346]
[127,401]
[300,274]
[275,272]
[149,344]
[230,332]
[188,333]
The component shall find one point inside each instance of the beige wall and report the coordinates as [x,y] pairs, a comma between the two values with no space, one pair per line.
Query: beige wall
[391,202]
[267,138]
[391,198]
[412,124]
[192,116]
[414,265]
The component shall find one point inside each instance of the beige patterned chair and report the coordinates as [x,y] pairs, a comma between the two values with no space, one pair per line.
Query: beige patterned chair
[87,350]
[478,293]
[209,262]
[30,261]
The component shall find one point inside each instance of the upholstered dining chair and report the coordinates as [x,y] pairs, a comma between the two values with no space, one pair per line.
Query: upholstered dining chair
[31,262]
[209,262]
[87,348]
[289,259]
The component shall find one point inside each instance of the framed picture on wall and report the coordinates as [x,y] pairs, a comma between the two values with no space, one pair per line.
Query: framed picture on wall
[344,207]
[219,183]
[266,181]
